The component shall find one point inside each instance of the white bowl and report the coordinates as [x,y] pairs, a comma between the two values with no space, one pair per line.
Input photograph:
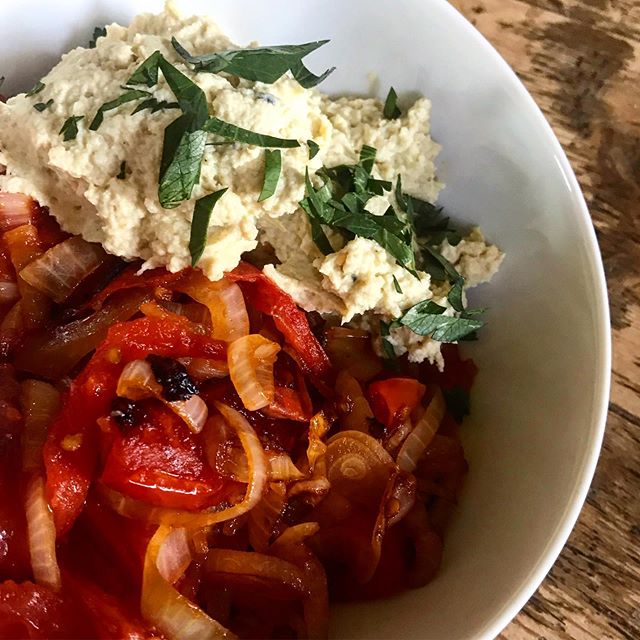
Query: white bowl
[540,401]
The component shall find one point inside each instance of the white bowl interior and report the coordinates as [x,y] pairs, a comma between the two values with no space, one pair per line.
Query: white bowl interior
[538,406]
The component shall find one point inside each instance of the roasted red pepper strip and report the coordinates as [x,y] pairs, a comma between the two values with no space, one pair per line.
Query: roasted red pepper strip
[70,452]
[291,321]
[129,279]
[387,397]
[160,461]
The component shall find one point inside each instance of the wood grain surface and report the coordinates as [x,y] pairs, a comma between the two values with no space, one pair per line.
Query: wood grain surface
[580,59]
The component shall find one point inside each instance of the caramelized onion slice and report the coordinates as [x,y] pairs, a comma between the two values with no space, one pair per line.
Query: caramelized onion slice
[251,564]
[251,361]
[161,605]
[316,603]
[8,292]
[418,440]
[40,402]
[201,369]
[58,271]
[130,508]
[16,209]
[224,299]
[295,535]
[264,517]
[174,556]
[358,467]
[41,531]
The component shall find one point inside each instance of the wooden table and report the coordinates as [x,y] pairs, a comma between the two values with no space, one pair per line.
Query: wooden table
[580,59]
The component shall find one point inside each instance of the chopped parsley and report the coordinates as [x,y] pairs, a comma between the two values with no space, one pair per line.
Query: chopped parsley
[427,319]
[261,64]
[391,110]
[128,96]
[37,88]
[396,285]
[42,106]
[200,224]
[98,32]
[340,205]
[185,138]
[238,134]
[155,105]
[314,147]
[272,168]
[387,348]
[69,129]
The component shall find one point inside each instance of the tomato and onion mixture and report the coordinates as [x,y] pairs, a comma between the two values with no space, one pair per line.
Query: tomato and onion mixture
[189,459]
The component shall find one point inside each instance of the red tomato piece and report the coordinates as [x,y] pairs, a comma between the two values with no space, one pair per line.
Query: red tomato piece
[388,397]
[33,611]
[291,321]
[70,469]
[161,462]
[111,618]
[288,404]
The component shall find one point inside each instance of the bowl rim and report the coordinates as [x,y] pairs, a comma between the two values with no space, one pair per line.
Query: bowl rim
[585,472]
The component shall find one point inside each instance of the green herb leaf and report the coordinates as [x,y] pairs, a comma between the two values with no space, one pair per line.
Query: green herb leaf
[367,158]
[437,266]
[200,224]
[69,129]
[387,347]
[391,110]
[189,95]
[314,147]
[155,105]
[238,134]
[426,319]
[396,285]
[340,204]
[306,78]
[127,96]
[98,32]
[147,72]
[184,138]
[458,402]
[272,168]
[262,64]
[123,171]
[455,295]
[37,88]
[41,106]
[182,153]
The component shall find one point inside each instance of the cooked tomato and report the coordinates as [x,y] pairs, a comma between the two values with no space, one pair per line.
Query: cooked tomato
[129,279]
[34,611]
[159,460]
[291,321]
[111,617]
[388,397]
[70,468]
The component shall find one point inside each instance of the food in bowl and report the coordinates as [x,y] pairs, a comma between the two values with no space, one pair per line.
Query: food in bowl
[231,389]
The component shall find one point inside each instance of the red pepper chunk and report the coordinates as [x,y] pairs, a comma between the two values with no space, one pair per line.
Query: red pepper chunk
[70,453]
[388,397]
[161,462]
[266,297]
